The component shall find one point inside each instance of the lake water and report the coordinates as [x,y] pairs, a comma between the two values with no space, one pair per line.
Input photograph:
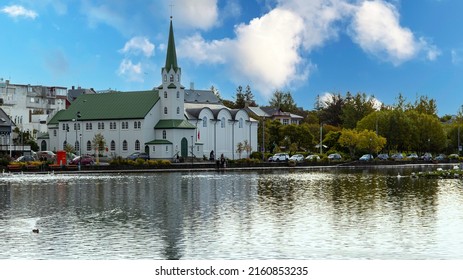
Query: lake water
[280,214]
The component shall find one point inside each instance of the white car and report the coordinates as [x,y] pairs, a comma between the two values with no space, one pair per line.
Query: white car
[297,158]
[312,157]
[279,157]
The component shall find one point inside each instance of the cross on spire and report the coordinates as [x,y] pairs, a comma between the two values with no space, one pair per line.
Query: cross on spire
[171,7]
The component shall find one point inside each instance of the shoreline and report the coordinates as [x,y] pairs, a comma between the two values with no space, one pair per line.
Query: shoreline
[212,167]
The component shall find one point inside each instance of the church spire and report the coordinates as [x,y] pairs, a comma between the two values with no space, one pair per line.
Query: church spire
[171,58]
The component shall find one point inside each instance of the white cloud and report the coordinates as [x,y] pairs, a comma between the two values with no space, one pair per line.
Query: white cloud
[264,52]
[201,14]
[457,56]
[376,28]
[138,45]
[131,72]
[16,11]
[200,51]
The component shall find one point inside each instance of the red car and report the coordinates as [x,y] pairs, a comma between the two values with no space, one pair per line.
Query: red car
[86,160]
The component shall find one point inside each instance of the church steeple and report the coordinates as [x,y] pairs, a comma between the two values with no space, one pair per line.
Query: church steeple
[171,58]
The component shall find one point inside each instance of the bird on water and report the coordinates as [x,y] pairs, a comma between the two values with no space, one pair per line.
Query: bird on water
[36,230]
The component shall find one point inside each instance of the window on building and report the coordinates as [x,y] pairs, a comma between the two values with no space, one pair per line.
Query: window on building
[178,94]
[88,126]
[165,78]
[64,145]
[154,148]
[75,126]
[164,134]
[125,125]
[89,145]
[240,124]
[64,126]
[222,122]
[171,78]
[137,145]
[165,110]
[124,145]
[113,145]
[77,145]
[101,125]
[167,148]
[136,124]
[54,132]
[205,122]
[285,121]
[178,110]
[165,94]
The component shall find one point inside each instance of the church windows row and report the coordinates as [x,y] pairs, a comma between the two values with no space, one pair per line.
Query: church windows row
[101,125]
[125,125]
[222,122]
[137,124]
[171,78]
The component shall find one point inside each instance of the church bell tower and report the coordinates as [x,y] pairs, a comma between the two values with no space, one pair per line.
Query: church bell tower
[171,92]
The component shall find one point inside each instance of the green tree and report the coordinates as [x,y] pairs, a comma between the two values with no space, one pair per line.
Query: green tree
[249,97]
[274,133]
[239,149]
[98,143]
[240,101]
[331,110]
[283,101]
[355,108]
[349,138]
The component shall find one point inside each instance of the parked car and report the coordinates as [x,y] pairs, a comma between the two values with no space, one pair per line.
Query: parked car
[427,157]
[312,157]
[366,157]
[440,157]
[46,155]
[83,160]
[138,155]
[454,156]
[25,159]
[279,157]
[413,156]
[397,156]
[383,156]
[334,157]
[297,158]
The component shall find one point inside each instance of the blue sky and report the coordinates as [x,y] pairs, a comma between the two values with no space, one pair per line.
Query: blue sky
[307,47]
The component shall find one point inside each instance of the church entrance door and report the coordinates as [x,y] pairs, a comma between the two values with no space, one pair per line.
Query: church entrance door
[184,148]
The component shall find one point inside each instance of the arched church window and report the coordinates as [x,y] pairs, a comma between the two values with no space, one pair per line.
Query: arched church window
[165,78]
[124,145]
[137,145]
[89,145]
[165,94]
[178,94]
[164,134]
[171,78]
[113,145]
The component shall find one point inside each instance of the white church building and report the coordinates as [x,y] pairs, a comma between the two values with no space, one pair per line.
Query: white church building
[164,122]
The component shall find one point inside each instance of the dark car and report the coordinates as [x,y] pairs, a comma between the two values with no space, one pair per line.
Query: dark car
[25,159]
[83,160]
[138,155]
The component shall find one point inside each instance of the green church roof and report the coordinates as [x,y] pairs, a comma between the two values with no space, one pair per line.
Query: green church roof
[171,58]
[109,106]
[169,124]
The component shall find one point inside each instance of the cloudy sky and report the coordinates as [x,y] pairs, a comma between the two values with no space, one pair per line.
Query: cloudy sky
[307,47]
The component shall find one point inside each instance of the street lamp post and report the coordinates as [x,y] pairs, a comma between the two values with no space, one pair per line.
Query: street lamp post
[321,138]
[192,154]
[78,115]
